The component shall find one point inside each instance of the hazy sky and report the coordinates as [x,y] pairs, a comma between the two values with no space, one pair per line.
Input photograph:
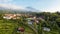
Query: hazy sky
[43,5]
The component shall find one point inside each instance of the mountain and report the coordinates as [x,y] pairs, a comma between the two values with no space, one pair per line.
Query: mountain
[17,9]
[31,9]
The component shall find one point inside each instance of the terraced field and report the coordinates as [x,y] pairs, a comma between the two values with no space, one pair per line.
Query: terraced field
[8,27]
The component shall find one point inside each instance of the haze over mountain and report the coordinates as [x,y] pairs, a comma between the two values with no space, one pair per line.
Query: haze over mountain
[18,8]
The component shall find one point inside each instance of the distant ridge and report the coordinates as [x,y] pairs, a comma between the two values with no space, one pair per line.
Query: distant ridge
[17,9]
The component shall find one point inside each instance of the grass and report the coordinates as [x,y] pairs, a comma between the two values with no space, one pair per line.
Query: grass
[51,32]
[8,27]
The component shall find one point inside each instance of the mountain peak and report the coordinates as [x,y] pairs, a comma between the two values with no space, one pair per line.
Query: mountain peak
[31,9]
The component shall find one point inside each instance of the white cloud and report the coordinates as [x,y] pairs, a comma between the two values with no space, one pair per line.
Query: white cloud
[11,6]
[6,0]
[55,6]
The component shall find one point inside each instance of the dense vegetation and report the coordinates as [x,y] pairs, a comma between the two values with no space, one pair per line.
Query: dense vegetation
[51,20]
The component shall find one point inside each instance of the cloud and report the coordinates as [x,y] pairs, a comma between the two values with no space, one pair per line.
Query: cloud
[6,0]
[11,6]
[53,8]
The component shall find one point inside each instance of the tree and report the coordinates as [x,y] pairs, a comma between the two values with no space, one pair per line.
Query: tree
[58,21]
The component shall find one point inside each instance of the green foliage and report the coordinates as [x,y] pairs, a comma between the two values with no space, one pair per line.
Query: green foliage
[58,20]
[51,20]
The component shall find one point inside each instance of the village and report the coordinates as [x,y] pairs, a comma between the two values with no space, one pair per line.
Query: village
[29,23]
[31,20]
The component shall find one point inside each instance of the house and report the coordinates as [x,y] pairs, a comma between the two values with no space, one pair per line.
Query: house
[6,17]
[11,16]
[46,29]
[20,29]
[33,19]
[30,22]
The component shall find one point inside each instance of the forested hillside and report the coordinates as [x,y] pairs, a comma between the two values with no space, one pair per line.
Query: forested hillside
[30,22]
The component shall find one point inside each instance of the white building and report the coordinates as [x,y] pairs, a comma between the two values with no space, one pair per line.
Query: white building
[46,29]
